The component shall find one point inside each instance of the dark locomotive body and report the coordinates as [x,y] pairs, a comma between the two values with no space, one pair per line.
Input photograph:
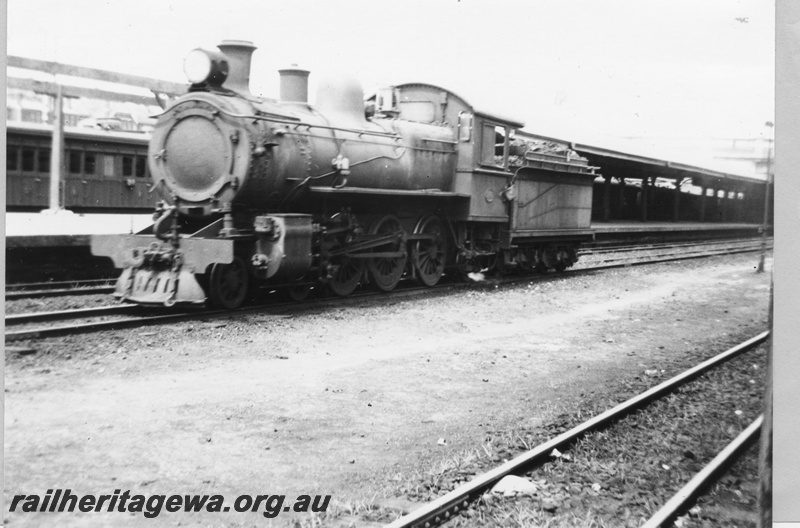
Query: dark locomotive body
[410,183]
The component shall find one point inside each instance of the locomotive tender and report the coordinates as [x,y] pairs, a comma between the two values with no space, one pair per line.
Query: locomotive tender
[411,182]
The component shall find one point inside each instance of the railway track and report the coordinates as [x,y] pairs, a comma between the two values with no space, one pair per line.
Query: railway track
[448,506]
[621,247]
[35,290]
[669,251]
[119,317]
[615,252]
[133,316]
[686,496]
[47,317]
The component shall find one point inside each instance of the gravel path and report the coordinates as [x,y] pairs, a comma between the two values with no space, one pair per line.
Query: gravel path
[354,401]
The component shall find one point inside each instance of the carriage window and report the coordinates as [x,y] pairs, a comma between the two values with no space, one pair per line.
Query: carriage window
[12,158]
[89,163]
[127,165]
[28,159]
[108,165]
[493,145]
[44,160]
[141,163]
[75,161]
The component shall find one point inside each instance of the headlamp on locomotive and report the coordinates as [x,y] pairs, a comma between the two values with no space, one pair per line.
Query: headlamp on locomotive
[206,67]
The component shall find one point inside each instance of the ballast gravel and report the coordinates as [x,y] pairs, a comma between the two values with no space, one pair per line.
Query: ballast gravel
[350,399]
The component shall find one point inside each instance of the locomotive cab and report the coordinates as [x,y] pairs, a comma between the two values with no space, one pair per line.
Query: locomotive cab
[529,198]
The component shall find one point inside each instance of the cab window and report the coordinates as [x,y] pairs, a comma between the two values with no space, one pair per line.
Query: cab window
[493,145]
[464,126]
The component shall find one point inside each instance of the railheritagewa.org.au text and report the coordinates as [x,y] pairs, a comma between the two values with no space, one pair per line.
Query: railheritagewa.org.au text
[151,506]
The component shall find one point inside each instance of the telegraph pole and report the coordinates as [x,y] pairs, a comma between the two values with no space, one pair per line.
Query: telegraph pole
[57,152]
[760,269]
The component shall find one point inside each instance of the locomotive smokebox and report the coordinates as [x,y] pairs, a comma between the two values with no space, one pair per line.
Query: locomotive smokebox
[239,54]
[294,84]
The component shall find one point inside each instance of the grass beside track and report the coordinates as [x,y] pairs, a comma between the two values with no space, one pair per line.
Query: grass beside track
[619,476]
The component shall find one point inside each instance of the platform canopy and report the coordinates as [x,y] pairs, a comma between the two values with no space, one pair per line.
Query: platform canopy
[634,168]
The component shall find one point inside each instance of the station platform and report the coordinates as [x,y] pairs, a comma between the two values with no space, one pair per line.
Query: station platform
[633,232]
[647,227]
[67,229]
[72,230]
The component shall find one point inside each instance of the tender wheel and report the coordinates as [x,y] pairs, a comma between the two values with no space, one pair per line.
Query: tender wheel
[547,258]
[228,284]
[428,256]
[347,276]
[387,271]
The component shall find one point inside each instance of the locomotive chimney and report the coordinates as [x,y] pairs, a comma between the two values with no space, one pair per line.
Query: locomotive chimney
[294,84]
[239,53]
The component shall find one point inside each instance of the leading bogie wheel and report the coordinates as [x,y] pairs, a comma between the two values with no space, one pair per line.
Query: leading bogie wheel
[428,256]
[386,272]
[228,284]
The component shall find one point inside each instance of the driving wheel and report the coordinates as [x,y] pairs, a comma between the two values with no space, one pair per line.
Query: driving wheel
[387,271]
[428,256]
[346,276]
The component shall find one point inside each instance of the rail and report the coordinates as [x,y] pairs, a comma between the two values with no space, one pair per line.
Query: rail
[442,508]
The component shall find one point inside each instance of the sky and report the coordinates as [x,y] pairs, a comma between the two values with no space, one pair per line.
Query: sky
[592,71]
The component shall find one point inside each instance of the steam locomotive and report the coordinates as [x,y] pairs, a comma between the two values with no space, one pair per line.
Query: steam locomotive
[411,182]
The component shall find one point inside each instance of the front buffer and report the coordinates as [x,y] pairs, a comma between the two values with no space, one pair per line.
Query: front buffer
[164,270]
[155,273]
